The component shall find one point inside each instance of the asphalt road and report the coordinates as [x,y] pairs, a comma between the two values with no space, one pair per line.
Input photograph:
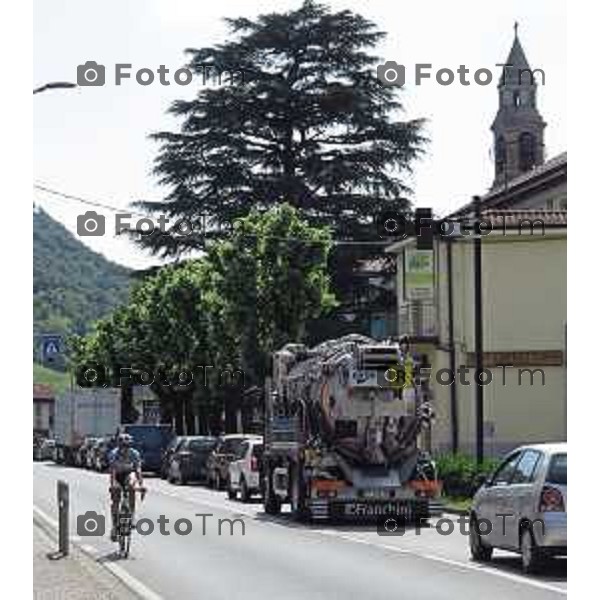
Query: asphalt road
[277,558]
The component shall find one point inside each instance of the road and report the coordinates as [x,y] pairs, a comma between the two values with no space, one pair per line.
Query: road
[277,558]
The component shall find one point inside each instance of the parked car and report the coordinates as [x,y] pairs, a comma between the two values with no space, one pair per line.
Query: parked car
[44,449]
[224,452]
[167,453]
[245,470]
[37,448]
[188,460]
[84,450]
[150,441]
[525,502]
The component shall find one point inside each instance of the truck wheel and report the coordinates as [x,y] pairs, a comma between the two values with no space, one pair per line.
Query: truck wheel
[271,502]
[300,511]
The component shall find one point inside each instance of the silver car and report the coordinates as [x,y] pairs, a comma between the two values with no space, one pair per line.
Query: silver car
[522,507]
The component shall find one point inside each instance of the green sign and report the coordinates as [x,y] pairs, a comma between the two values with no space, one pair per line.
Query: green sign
[418,274]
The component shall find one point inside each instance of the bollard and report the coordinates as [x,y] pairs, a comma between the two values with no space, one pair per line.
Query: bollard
[62,492]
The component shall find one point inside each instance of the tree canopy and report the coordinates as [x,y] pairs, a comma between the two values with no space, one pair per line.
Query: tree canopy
[305,122]
[230,309]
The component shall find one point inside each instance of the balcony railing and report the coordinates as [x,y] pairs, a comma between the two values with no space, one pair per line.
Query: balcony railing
[418,318]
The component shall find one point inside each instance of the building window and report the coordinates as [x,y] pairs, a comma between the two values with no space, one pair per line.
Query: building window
[516,99]
[500,154]
[38,410]
[526,151]
[563,204]
[549,204]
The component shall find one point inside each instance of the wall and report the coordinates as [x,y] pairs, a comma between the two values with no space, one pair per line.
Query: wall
[525,308]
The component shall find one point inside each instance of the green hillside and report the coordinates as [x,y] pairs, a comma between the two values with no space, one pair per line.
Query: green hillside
[72,285]
[59,382]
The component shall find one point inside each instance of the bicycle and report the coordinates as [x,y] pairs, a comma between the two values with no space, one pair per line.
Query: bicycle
[124,520]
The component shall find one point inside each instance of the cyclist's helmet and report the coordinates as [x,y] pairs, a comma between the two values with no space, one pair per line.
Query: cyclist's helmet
[125,439]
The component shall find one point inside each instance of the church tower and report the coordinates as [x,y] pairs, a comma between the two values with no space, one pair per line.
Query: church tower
[518,127]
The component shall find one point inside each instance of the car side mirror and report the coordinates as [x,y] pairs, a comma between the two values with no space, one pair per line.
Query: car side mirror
[481,480]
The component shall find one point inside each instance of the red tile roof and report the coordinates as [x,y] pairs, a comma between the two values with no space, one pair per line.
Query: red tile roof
[42,391]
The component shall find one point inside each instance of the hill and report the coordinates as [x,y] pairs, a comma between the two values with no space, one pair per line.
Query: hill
[59,382]
[73,286]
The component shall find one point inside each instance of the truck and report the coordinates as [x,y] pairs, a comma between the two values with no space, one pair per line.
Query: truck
[342,433]
[151,440]
[84,413]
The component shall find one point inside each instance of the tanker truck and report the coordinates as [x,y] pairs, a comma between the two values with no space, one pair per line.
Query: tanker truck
[342,428]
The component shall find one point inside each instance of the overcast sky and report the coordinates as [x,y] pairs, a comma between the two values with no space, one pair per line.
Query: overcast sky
[93,142]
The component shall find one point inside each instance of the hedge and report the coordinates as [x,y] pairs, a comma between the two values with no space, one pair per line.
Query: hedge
[459,472]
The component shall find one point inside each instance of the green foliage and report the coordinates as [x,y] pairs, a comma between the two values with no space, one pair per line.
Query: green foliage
[269,280]
[309,125]
[72,285]
[248,296]
[459,472]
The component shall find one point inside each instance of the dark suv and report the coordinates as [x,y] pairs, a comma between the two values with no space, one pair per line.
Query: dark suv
[150,441]
[225,451]
[188,460]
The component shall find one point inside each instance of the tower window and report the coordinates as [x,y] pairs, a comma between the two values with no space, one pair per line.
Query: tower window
[516,99]
[526,151]
[500,154]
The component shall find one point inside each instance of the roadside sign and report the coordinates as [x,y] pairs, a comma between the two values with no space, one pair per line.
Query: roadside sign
[51,347]
[419,274]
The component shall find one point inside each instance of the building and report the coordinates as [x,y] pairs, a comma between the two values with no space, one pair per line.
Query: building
[43,410]
[524,293]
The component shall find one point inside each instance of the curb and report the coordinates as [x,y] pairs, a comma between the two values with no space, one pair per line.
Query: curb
[135,587]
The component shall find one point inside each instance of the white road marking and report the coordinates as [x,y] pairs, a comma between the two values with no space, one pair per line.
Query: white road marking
[449,561]
[129,580]
[465,566]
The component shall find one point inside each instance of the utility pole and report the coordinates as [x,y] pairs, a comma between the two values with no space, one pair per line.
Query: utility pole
[478,314]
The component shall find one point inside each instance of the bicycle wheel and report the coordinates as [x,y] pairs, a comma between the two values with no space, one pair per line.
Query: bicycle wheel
[125,544]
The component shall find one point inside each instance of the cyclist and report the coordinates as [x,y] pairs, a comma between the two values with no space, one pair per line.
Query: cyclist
[125,465]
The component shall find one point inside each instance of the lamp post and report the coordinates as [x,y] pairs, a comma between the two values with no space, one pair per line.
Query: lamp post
[478,315]
[53,85]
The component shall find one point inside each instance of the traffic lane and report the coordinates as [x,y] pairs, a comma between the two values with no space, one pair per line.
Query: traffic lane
[444,538]
[447,538]
[275,558]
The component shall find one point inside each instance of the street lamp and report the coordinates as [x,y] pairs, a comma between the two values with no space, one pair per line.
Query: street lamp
[54,85]
[478,315]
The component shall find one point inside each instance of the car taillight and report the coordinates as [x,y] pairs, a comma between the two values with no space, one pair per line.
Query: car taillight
[551,500]
[253,463]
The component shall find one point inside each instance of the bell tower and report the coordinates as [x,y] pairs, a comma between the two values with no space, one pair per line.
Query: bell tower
[518,127]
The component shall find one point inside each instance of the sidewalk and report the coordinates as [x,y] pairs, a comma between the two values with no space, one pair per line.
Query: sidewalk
[76,577]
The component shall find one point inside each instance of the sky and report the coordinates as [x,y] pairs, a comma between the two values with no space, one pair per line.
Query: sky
[93,142]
